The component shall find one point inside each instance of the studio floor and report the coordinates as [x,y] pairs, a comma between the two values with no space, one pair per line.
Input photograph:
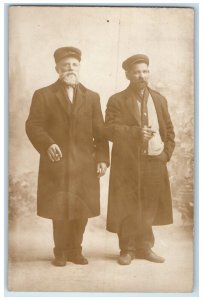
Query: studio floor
[30,255]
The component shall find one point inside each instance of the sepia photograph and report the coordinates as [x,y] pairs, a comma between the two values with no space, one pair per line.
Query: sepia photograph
[101,149]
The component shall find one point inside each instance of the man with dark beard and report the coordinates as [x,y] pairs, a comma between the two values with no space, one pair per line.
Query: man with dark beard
[65,125]
[139,125]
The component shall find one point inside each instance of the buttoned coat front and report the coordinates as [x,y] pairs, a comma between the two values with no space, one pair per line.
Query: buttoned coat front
[123,128]
[69,188]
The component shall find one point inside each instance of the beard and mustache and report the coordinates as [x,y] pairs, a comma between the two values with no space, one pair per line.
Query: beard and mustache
[69,77]
[139,84]
[72,78]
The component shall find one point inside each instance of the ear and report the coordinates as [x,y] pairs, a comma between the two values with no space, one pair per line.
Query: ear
[57,69]
[127,75]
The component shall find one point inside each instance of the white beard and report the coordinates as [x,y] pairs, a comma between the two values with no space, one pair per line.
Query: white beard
[69,79]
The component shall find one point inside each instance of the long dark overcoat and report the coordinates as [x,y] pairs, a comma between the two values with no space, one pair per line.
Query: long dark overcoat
[123,128]
[68,188]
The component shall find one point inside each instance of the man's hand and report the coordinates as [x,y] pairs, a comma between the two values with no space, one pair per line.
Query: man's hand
[164,156]
[101,169]
[147,133]
[54,153]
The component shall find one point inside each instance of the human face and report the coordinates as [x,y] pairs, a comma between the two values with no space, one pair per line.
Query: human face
[68,69]
[138,74]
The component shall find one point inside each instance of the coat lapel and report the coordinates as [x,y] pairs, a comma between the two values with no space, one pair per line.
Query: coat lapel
[132,105]
[63,98]
[80,98]
[158,110]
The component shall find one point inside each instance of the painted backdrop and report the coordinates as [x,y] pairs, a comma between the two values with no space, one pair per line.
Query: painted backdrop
[106,36]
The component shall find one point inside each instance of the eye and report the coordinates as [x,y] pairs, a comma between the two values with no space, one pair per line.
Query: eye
[66,65]
[137,73]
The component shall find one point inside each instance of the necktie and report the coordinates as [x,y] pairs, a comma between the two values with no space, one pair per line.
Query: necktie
[144,120]
[70,92]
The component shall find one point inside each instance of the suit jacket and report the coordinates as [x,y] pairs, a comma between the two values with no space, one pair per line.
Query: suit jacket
[68,188]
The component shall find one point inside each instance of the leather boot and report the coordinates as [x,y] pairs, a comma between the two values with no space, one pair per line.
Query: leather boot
[60,258]
[77,258]
[148,254]
[126,257]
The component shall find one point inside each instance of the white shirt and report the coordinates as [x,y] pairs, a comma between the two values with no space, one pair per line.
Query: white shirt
[70,92]
[155,144]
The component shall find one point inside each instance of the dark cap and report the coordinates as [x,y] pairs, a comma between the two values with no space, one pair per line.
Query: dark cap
[67,52]
[138,58]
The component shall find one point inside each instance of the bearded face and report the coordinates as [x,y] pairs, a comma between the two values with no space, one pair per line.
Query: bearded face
[68,70]
[70,78]
[138,75]
[139,84]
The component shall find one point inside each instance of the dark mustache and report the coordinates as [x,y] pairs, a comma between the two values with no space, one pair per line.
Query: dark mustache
[139,84]
[140,80]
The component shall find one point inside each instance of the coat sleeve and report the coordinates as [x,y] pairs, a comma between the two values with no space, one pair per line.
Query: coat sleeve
[35,124]
[100,143]
[115,129]
[169,143]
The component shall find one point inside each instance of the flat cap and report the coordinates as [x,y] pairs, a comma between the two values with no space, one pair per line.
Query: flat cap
[138,58]
[67,52]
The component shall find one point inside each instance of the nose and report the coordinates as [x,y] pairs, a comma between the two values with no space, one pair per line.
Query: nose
[141,75]
[70,68]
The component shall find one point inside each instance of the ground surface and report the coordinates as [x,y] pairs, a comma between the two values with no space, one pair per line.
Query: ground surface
[30,245]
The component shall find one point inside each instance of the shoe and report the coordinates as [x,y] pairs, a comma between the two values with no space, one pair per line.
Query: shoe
[77,259]
[149,255]
[59,261]
[125,258]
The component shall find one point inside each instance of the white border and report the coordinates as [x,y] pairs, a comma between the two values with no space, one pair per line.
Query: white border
[3,118]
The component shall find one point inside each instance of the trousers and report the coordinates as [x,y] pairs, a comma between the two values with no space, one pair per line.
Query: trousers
[68,235]
[137,233]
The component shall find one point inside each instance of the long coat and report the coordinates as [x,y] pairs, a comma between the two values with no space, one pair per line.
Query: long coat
[69,188]
[123,128]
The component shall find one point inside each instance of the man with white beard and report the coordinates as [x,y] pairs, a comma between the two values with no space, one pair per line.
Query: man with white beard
[65,125]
